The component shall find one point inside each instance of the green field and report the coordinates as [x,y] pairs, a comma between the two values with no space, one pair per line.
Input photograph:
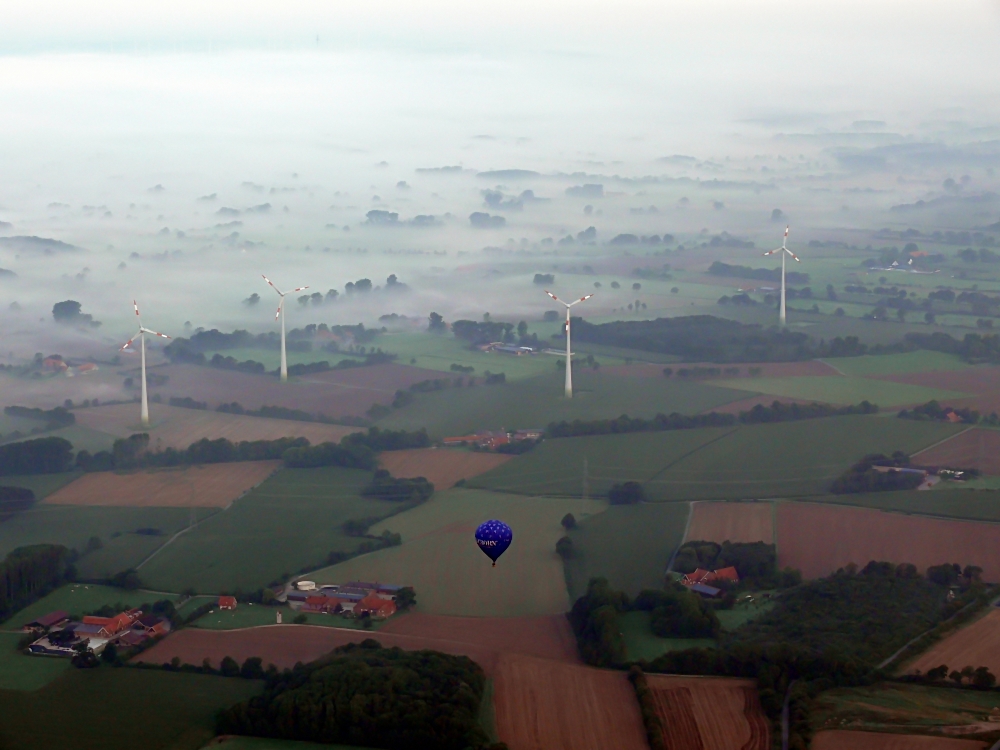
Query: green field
[119,709]
[834,389]
[950,502]
[896,364]
[895,707]
[73,525]
[630,545]
[77,598]
[255,615]
[641,643]
[292,520]
[537,401]
[42,485]
[440,559]
[21,672]
[752,461]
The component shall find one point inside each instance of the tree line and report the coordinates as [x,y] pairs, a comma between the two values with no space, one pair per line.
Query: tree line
[759,414]
[756,563]
[865,477]
[29,573]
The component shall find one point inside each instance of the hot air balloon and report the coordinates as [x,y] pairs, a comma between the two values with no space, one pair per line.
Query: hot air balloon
[493,538]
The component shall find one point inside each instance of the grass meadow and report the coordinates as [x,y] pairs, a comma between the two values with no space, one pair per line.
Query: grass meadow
[450,575]
[947,502]
[641,643]
[25,673]
[292,520]
[255,615]
[537,401]
[896,364]
[144,708]
[42,485]
[630,545]
[78,598]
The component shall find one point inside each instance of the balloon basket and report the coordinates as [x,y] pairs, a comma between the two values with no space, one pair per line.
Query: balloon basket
[494,565]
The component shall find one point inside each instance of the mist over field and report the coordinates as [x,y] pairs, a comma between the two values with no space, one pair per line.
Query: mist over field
[183,157]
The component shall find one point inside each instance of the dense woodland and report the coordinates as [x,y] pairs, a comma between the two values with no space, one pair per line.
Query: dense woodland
[864,477]
[718,268]
[363,694]
[29,573]
[755,562]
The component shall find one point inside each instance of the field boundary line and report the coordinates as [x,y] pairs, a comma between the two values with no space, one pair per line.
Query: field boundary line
[687,528]
[834,368]
[691,453]
[939,442]
[897,511]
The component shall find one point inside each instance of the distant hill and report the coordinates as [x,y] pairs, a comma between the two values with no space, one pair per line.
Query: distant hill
[43,245]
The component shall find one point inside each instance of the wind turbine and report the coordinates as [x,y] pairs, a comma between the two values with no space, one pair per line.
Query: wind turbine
[569,355]
[784,252]
[141,335]
[281,314]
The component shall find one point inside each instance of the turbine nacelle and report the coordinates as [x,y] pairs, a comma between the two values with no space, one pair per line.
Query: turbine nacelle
[784,249]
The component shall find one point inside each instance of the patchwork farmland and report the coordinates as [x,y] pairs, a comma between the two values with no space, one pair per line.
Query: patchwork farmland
[972,449]
[847,740]
[818,539]
[709,712]
[176,427]
[441,467]
[210,486]
[732,522]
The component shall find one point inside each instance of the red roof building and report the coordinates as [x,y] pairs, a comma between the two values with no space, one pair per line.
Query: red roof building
[113,624]
[702,576]
[375,607]
[227,602]
[322,604]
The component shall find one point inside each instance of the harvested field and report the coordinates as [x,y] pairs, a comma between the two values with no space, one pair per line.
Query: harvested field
[841,740]
[175,427]
[441,467]
[211,486]
[709,713]
[972,449]
[481,639]
[818,539]
[975,645]
[547,637]
[733,522]
[546,705]
[983,381]
[335,393]
[767,369]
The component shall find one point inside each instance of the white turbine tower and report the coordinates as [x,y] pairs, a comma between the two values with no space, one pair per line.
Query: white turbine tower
[141,335]
[785,252]
[281,314]
[569,354]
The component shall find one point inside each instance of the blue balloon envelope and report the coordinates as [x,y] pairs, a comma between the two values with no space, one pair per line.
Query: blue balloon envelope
[493,538]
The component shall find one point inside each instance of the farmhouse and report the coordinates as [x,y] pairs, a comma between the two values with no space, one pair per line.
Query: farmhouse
[702,576]
[492,439]
[227,602]
[46,621]
[354,598]
[376,607]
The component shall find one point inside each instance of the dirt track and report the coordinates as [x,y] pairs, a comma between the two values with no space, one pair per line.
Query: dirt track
[546,705]
[211,486]
[818,539]
[976,645]
[840,740]
[709,713]
[442,467]
[733,522]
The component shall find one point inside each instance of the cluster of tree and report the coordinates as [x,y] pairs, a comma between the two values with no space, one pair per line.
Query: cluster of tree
[977,677]
[718,268]
[626,493]
[543,279]
[53,418]
[38,456]
[865,477]
[483,332]
[647,707]
[974,347]
[364,694]
[70,312]
[759,414]
[740,300]
[864,616]
[697,372]
[186,402]
[14,500]
[283,412]
[29,573]
[933,411]
[660,274]
[221,362]
[133,452]
[386,487]
[755,562]
[677,612]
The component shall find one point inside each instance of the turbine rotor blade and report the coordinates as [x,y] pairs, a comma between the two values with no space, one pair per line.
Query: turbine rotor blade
[278,312]
[794,256]
[161,335]
[271,283]
[552,296]
[584,299]
[299,289]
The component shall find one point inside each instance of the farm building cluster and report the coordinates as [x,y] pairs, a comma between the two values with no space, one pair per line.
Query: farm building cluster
[61,636]
[352,599]
[494,438]
[700,581]
[57,365]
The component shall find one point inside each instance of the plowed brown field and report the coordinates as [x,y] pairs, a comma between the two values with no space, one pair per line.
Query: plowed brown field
[818,539]
[549,637]
[840,740]
[211,486]
[976,645]
[972,449]
[984,381]
[546,705]
[733,522]
[442,467]
[175,427]
[709,713]
[483,639]
[335,393]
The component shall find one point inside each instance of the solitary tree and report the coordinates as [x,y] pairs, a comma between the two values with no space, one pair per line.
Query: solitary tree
[406,597]
[568,521]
